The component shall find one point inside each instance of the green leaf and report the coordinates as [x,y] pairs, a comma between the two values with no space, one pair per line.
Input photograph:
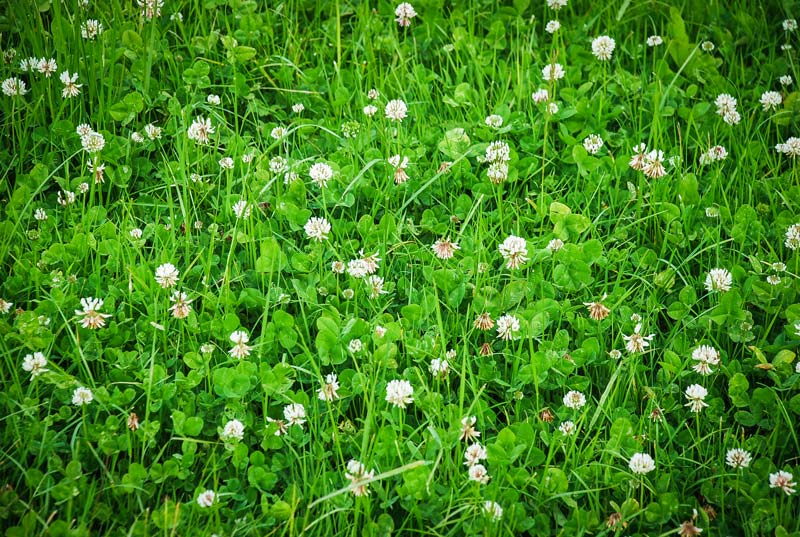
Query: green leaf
[737,390]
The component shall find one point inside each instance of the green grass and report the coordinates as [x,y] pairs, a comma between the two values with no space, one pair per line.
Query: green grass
[136,459]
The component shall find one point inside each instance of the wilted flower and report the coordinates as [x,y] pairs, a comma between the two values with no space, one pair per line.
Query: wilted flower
[399,164]
[181,307]
[718,280]
[444,248]
[638,158]
[507,326]
[653,165]
[597,310]
[483,322]
[636,342]
[329,389]
[468,432]
[373,94]
[641,463]
[200,129]
[399,393]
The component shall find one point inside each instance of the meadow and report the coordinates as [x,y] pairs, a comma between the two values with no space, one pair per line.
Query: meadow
[435,268]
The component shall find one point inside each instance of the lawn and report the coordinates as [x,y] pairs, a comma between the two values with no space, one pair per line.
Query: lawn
[363,268]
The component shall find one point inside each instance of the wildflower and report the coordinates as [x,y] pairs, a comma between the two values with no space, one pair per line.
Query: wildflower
[370,261]
[554,245]
[370,110]
[653,165]
[206,498]
[494,121]
[614,520]
[696,395]
[66,198]
[597,310]
[552,26]
[355,346]
[479,474]
[348,294]
[150,8]
[567,428]
[718,279]
[337,267]
[688,529]
[226,163]
[774,279]
[497,172]
[82,396]
[592,143]
[789,25]
[514,250]
[399,165]
[707,46]
[91,318]
[574,400]
[35,364]
[240,348]
[71,89]
[47,67]
[317,228]
[241,209]
[638,158]
[213,99]
[380,331]
[375,286]
[770,100]
[507,326]
[200,129]
[540,96]
[444,249]
[329,390]
[98,171]
[298,108]
[483,322]
[440,368]
[207,348]
[357,474]
[320,174]
[546,415]
[404,13]
[176,17]
[278,132]
[350,129]
[295,414]
[468,432]
[790,147]
[636,342]
[153,132]
[785,80]
[399,393]
[603,47]
[373,94]
[474,454]
[782,480]
[553,72]
[137,138]
[181,305]
[233,430]
[493,509]
[705,356]
[552,108]
[615,354]
[556,4]
[133,421]
[654,41]
[738,458]
[641,463]
[91,28]
[731,117]
[40,214]
[396,110]
[167,275]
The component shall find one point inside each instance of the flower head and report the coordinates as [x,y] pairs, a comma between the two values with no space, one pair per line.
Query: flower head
[71,89]
[593,143]
[718,280]
[82,396]
[90,317]
[636,342]
[240,348]
[200,129]
[317,228]
[507,327]
[479,474]
[782,480]
[468,431]
[329,389]
[233,430]
[400,393]
[574,400]
[320,174]
[738,458]
[357,474]
[770,100]
[705,356]
[641,463]
[404,13]
[553,72]
[597,310]
[603,47]
[35,364]
[514,250]
[474,454]
[167,275]
[295,414]
[444,248]
[696,395]
[483,322]
[206,498]
[181,305]
[396,110]
[493,509]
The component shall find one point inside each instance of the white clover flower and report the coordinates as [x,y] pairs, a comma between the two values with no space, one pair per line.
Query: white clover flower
[206,498]
[295,414]
[40,214]
[90,29]
[93,142]
[474,454]
[705,356]
[567,428]
[167,275]
[479,474]
[553,72]
[782,480]
[317,228]
[789,25]
[603,47]
[396,110]
[653,164]
[636,342]
[552,26]
[90,317]
[540,96]
[738,458]
[213,99]
[791,147]
[400,393]
[592,143]
[707,46]
[153,132]
[444,248]
[494,121]
[785,80]
[507,327]
[200,129]
[556,5]
[493,509]
[373,94]
[696,395]
[181,304]
[770,100]
[233,430]
[718,280]
[241,209]
[654,41]
[329,390]
[514,251]
[641,463]
[399,164]
[552,108]
[375,286]
[47,67]
[35,364]
[5,305]
[358,476]
[320,174]
[574,400]
[440,368]
[404,13]
[278,132]
[71,89]
[240,349]
[370,110]
[298,108]
[82,396]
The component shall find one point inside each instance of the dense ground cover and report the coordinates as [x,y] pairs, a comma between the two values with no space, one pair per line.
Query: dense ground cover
[322,268]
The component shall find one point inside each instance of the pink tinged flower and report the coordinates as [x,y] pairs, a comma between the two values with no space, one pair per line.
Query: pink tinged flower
[399,164]
[782,480]
[653,166]
[404,13]
[479,474]
[468,432]
[638,158]
[206,498]
[181,305]
[444,248]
